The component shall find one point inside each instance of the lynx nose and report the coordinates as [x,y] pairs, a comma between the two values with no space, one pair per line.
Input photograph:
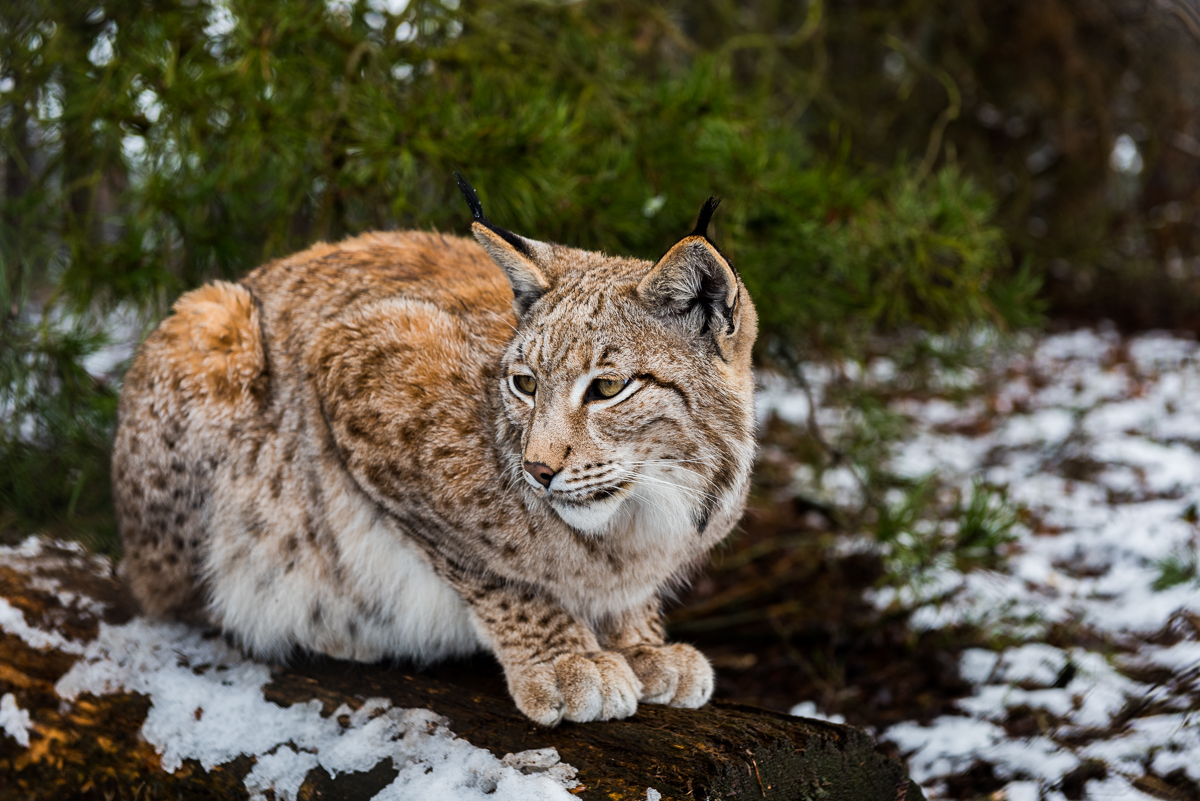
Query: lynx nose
[540,472]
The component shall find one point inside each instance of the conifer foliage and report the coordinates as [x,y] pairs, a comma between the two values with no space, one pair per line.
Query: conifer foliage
[150,146]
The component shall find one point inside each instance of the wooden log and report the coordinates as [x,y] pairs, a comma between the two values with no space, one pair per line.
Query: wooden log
[92,747]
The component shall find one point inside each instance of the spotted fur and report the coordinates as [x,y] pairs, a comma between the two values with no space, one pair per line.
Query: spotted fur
[332,454]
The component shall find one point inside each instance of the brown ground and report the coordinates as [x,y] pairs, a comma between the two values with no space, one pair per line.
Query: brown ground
[784,621]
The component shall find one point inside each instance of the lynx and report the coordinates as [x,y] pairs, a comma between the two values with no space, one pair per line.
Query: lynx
[389,448]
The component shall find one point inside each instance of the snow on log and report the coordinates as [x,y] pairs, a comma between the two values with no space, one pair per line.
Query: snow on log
[96,702]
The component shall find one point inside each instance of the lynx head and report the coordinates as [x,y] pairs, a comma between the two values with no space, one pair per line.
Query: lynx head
[627,389]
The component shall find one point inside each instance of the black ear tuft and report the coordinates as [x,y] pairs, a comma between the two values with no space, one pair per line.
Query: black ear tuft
[706,214]
[472,198]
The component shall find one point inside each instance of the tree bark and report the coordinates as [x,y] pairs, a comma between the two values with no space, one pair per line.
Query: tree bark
[91,748]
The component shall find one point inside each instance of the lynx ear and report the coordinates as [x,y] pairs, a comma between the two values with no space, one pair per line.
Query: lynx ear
[517,256]
[694,283]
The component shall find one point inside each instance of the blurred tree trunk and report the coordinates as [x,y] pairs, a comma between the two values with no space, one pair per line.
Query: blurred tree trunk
[16,184]
[17,164]
[78,97]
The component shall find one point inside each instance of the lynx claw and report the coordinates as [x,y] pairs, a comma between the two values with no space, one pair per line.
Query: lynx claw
[579,687]
[676,675]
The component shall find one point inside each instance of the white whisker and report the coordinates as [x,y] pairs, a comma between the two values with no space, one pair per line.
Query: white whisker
[670,461]
[698,492]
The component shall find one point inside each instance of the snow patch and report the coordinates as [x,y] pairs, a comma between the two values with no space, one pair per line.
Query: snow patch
[12,620]
[207,704]
[15,721]
[1096,439]
[808,709]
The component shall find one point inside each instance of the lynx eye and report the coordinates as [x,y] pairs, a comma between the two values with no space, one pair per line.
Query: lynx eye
[525,383]
[603,388]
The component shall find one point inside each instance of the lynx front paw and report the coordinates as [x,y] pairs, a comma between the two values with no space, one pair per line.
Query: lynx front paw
[580,687]
[677,675]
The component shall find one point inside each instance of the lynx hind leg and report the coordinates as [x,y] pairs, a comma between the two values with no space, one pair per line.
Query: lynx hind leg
[201,371]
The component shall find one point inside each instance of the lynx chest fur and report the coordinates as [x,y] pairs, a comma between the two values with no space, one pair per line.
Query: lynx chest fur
[413,445]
